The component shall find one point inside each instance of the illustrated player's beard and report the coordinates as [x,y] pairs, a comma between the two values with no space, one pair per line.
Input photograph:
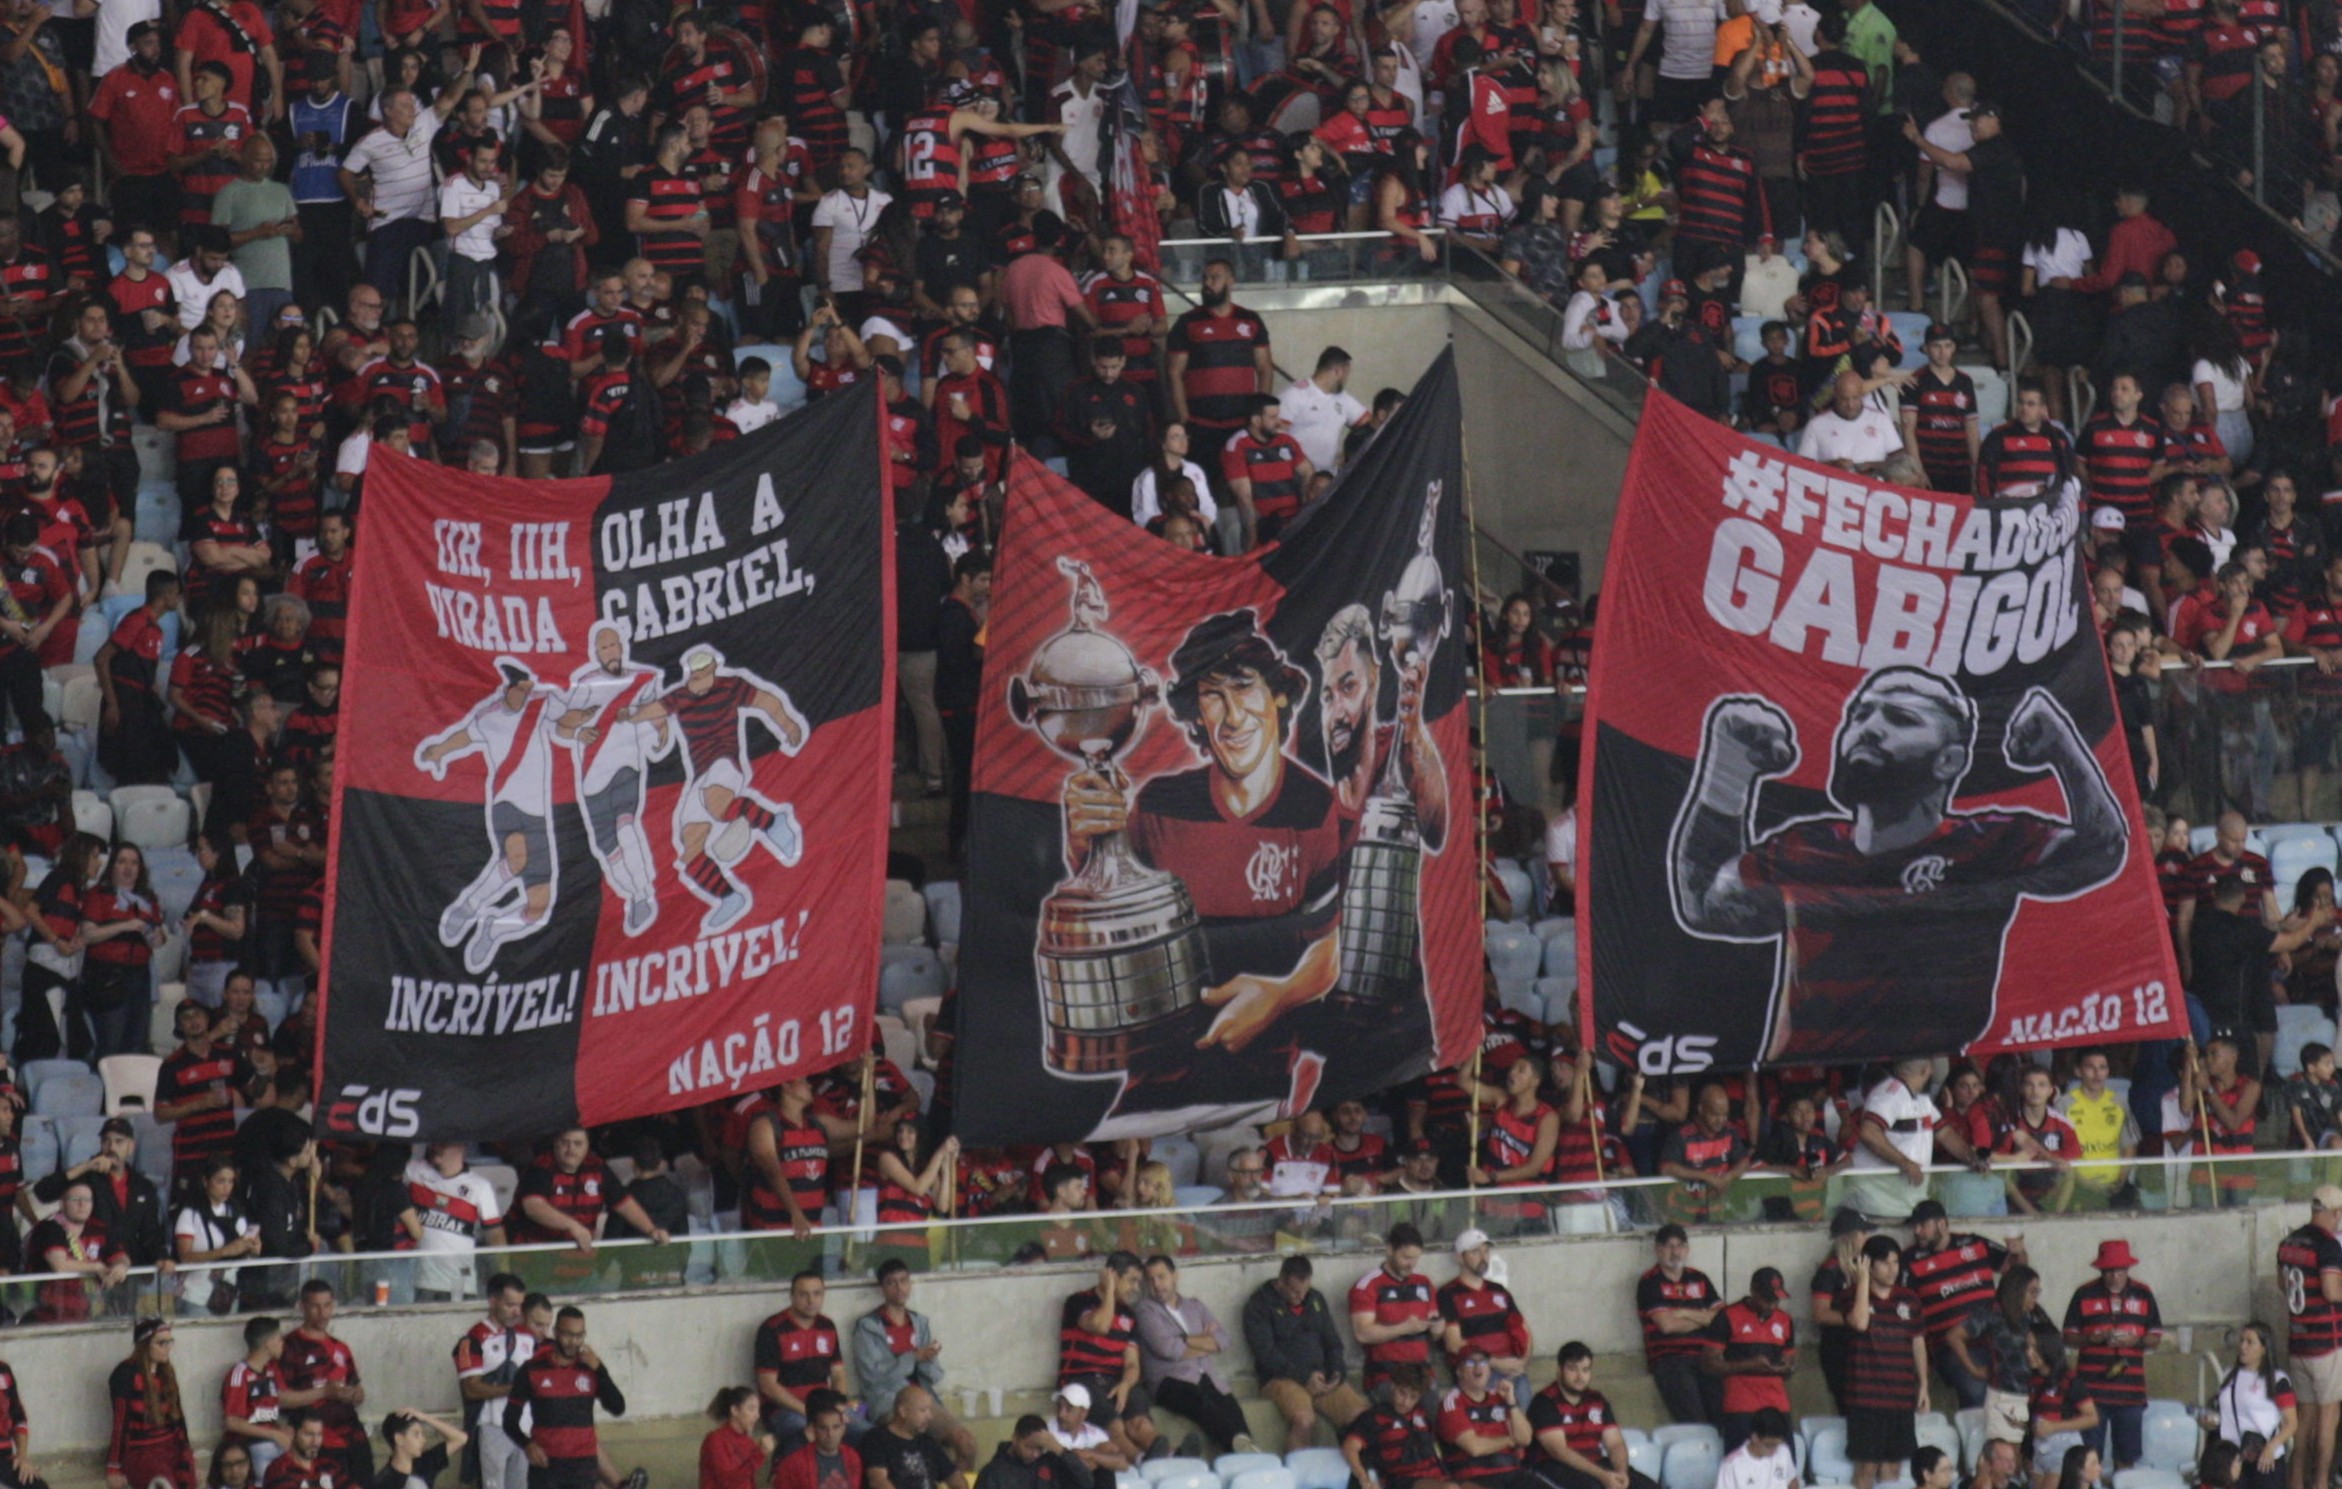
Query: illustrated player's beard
[1893,783]
[1343,753]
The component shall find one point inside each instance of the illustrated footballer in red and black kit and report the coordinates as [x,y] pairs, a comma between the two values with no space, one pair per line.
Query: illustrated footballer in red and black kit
[1891,914]
[1254,837]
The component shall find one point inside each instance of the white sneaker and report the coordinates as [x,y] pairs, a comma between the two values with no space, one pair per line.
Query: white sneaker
[481,952]
[787,842]
[640,916]
[726,913]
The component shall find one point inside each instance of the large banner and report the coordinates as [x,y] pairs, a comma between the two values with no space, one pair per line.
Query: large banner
[610,811]
[1856,787]
[1223,862]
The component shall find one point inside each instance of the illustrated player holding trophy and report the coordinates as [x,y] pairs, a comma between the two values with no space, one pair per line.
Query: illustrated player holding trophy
[1889,914]
[513,728]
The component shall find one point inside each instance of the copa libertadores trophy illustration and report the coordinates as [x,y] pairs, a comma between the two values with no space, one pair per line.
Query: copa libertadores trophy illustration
[1121,963]
[1381,922]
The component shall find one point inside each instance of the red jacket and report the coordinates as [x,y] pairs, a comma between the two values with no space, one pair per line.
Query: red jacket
[796,1471]
[2132,243]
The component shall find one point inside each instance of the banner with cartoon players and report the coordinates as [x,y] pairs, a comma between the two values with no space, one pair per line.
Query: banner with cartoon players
[1856,787]
[1222,862]
[607,835]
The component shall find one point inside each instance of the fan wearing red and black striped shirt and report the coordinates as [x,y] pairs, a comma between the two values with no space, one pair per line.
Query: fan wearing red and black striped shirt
[1578,1443]
[1393,1445]
[666,209]
[1939,416]
[196,1090]
[2122,452]
[2026,451]
[1266,472]
[557,1393]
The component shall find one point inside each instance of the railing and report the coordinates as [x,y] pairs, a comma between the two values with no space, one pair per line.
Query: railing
[1324,1226]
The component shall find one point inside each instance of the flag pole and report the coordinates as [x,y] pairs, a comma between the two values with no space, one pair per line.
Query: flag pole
[1479,806]
[861,1131]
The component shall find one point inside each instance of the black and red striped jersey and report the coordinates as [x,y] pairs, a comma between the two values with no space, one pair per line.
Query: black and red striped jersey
[1721,201]
[1083,1354]
[1943,412]
[1487,1316]
[1222,375]
[1482,1416]
[1272,465]
[670,199]
[1880,1372]
[582,1196]
[798,1355]
[2118,457]
[1118,302]
[1836,112]
[1657,1293]
[1394,1300]
[200,1136]
[1954,1279]
[1396,1445]
[559,1397]
[2114,1373]
[1582,1422]
[2223,56]
[803,1152]
[2313,1325]
[2013,455]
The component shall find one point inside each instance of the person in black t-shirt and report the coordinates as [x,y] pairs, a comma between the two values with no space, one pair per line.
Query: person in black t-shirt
[2231,954]
[903,1454]
[959,676]
[415,1461]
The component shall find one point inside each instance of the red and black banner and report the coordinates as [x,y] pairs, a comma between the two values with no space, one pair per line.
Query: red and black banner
[1223,862]
[610,812]
[1856,787]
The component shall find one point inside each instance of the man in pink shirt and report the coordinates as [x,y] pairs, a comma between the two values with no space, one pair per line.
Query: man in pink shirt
[1043,305]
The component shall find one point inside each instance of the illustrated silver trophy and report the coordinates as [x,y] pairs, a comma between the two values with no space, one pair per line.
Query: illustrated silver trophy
[1381,924]
[1121,962]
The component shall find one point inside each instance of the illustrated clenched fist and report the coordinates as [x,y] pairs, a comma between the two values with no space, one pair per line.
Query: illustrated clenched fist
[2036,728]
[1762,734]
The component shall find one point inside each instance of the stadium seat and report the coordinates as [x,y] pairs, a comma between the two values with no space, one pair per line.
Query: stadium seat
[1185,1480]
[923,1085]
[121,797]
[2290,858]
[1936,1431]
[78,1139]
[1645,1458]
[1197,1196]
[2286,832]
[1825,1457]
[906,914]
[80,702]
[154,1148]
[1561,950]
[79,1094]
[1559,997]
[2168,1440]
[2148,1478]
[36,1148]
[1554,925]
[902,1046]
[1911,326]
[2298,1025]
[1231,1467]
[171,957]
[1691,1462]
[1970,1422]
[1279,1477]
[1513,954]
[907,972]
[1675,1432]
[156,824]
[1807,1427]
[1182,1157]
[1515,880]
[1992,394]
[129,1081]
[1154,1471]
[93,816]
[144,559]
[503,1179]
[1214,1147]
[2201,839]
[33,1074]
[1317,1468]
[943,909]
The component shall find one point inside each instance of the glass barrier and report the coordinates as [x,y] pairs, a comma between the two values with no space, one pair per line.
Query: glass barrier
[1320,258]
[1329,1226]
[2266,134]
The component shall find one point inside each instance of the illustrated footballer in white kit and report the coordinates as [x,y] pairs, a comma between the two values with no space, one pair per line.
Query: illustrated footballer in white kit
[513,729]
[613,758]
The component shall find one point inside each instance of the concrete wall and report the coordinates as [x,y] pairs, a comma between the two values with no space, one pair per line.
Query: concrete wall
[670,1351]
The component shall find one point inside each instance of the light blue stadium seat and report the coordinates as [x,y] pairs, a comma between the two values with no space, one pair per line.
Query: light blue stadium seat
[1561,950]
[2291,858]
[77,1140]
[1645,1458]
[1515,880]
[943,909]
[1911,327]
[1279,1477]
[2168,1439]
[907,972]
[1232,1467]
[2285,832]
[1936,1431]
[38,1146]
[1196,1196]
[1675,1432]
[1825,1457]
[1806,1428]
[1156,1470]
[1185,1480]
[2148,1478]
[1748,338]
[61,1096]
[2200,839]
[1318,1468]
[33,1072]
[1691,1464]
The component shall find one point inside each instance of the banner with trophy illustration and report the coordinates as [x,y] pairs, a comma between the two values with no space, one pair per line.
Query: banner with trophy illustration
[1222,862]
[610,810]
[1856,786]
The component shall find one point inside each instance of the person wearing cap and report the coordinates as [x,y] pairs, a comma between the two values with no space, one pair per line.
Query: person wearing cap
[1483,1430]
[124,1203]
[1477,1311]
[1297,1353]
[2309,1271]
[1958,1276]
[149,1440]
[1678,1304]
[414,1460]
[2115,1322]
[1939,408]
[1080,1439]
[1752,1347]
[1833,1339]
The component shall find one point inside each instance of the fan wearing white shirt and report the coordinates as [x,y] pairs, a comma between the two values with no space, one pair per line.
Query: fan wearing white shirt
[1318,410]
[1764,1461]
[754,408]
[1854,433]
